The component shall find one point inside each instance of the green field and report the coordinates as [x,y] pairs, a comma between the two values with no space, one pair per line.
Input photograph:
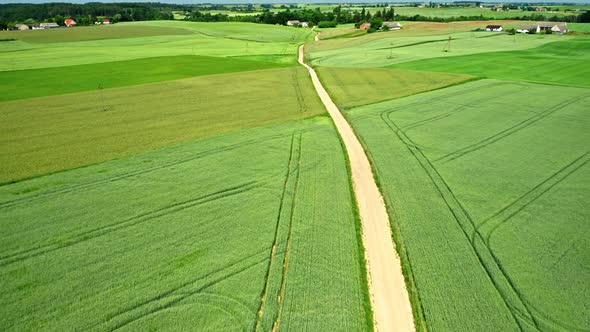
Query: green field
[478,177]
[390,48]
[20,84]
[207,39]
[175,176]
[546,61]
[350,87]
[485,181]
[189,237]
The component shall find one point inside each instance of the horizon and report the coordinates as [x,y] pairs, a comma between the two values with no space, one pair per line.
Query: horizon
[243,2]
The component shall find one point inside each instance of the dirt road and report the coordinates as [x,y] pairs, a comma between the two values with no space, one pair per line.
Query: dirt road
[389,296]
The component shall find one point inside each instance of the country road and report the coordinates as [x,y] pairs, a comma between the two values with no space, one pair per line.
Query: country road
[389,297]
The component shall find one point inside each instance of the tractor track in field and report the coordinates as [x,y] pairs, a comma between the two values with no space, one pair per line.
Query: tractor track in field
[129,222]
[281,242]
[507,132]
[502,282]
[122,176]
[389,297]
[506,213]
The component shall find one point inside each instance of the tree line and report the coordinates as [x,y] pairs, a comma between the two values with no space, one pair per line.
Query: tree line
[87,14]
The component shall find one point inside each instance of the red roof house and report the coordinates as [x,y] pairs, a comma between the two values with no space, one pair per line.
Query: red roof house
[106,21]
[69,22]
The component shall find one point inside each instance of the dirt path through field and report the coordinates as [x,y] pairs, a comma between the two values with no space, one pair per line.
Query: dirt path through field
[389,296]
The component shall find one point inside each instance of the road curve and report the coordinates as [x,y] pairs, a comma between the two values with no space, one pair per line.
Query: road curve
[389,297]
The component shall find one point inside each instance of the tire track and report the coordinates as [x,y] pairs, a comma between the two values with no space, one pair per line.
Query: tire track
[507,132]
[291,180]
[130,222]
[143,171]
[506,213]
[288,246]
[505,287]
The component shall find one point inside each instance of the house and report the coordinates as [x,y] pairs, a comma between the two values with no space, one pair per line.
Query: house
[494,28]
[21,27]
[48,25]
[304,24]
[35,26]
[106,21]
[557,27]
[526,28]
[69,22]
[293,22]
[365,26]
[392,25]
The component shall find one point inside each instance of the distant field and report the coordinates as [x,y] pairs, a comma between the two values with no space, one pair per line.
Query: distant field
[388,48]
[48,134]
[26,83]
[541,64]
[208,39]
[91,33]
[350,87]
[473,11]
[488,184]
[229,233]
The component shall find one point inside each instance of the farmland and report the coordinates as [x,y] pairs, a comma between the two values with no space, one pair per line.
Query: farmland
[170,175]
[167,175]
[486,180]
[166,240]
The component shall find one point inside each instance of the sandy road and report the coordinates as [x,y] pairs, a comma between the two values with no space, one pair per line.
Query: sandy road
[389,296]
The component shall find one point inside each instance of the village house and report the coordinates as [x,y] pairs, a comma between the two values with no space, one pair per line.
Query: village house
[106,21]
[392,25]
[48,25]
[365,26]
[21,27]
[554,27]
[69,22]
[304,24]
[293,22]
[494,28]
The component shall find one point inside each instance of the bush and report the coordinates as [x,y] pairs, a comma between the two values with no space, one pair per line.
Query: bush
[385,28]
[371,30]
[327,24]
[511,31]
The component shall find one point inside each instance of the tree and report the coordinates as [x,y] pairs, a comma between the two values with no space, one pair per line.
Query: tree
[3,24]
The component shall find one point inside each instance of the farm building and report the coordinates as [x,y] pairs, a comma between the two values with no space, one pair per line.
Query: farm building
[69,22]
[494,28]
[106,21]
[48,25]
[392,25]
[21,27]
[557,27]
[365,26]
[304,24]
[293,22]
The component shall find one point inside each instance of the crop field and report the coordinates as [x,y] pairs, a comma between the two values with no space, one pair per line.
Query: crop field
[482,179]
[172,176]
[234,232]
[388,48]
[176,38]
[547,61]
[486,180]
[352,87]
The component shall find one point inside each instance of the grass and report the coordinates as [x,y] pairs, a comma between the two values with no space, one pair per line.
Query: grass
[557,63]
[388,48]
[27,83]
[351,87]
[49,134]
[183,238]
[482,178]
